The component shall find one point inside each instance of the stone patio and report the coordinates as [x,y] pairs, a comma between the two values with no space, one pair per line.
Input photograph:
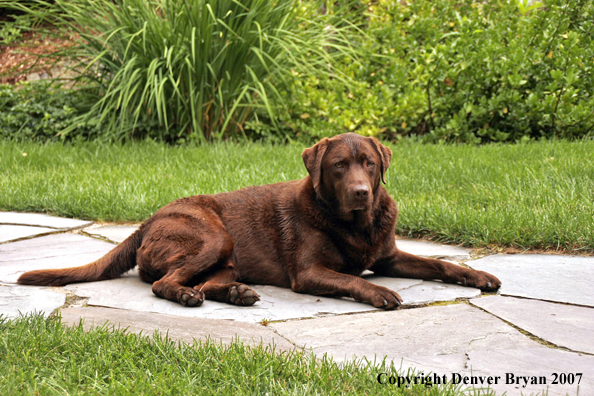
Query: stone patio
[539,325]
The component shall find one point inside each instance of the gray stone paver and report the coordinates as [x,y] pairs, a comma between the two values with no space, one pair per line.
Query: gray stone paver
[15,232]
[425,335]
[129,292]
[434,250]
[443,340]
[423,292]
[52,251]
[567,279]
[42,220]
[538,361]
[184,328]
[458,338]
[15,300]
[561,324]
[115,234]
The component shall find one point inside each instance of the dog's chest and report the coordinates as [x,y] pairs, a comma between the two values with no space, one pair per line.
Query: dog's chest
[354,252]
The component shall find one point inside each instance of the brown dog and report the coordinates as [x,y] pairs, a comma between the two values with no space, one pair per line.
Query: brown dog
[315,235]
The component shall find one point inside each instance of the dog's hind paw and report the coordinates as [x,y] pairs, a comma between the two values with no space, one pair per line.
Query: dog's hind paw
[242,295]
[191,298]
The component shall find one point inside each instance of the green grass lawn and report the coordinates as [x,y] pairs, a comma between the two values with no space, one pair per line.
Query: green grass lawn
[45,357]
[537,195]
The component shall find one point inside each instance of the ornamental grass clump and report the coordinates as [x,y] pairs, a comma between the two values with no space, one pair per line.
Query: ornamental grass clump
[180,70]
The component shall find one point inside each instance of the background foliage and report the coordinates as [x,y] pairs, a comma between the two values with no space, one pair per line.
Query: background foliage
[461,71]
[464,71]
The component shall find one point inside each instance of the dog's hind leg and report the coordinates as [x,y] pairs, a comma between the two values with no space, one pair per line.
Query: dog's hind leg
[179,261]
[173,287]
[222,286]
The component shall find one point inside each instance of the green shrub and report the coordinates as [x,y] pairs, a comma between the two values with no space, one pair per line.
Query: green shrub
[14,22]
[11,30]
[193,69]
[462,71]
[40,111]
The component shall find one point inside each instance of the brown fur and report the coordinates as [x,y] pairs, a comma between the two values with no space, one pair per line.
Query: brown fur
[315,235]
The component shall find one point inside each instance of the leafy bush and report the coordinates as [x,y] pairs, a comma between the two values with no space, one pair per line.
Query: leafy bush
[11,30]
[38,111]
[195,69]
[14,22]
[462,71]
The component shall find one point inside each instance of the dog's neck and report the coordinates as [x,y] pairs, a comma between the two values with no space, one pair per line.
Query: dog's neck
[361,219]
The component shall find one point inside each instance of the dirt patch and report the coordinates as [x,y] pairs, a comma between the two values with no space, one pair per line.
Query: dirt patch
[515,250]
[19,60]
[479,252]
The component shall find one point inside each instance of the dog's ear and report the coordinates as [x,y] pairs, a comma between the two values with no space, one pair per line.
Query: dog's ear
[385,155]
[312,157]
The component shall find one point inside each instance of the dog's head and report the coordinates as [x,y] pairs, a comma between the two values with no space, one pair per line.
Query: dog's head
[346,171]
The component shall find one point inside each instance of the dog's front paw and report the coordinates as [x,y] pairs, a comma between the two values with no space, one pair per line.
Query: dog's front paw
[481,280]
[381,297]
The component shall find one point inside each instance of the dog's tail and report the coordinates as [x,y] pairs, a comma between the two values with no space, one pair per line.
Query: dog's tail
[118,261]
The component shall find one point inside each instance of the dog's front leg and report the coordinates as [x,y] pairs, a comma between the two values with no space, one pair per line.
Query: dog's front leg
[319,280]
[400,264]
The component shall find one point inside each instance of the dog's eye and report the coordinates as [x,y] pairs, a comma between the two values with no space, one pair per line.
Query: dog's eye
[370,164]
[339,164]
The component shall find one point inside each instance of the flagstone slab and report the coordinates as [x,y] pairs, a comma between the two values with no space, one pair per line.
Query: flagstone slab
[116,234]
[184,329]
[567,279]
[508,366]
[52,251]
[42,220]
[443,340]
[433,250]
[16,300]
[424,292]
[539,361]
[564,325]
[436,337]
[129,292]
[15,232]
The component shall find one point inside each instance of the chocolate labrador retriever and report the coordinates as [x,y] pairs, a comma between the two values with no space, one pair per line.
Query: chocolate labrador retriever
[315,235]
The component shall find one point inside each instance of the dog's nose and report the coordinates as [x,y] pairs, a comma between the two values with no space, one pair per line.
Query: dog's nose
[361,191]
